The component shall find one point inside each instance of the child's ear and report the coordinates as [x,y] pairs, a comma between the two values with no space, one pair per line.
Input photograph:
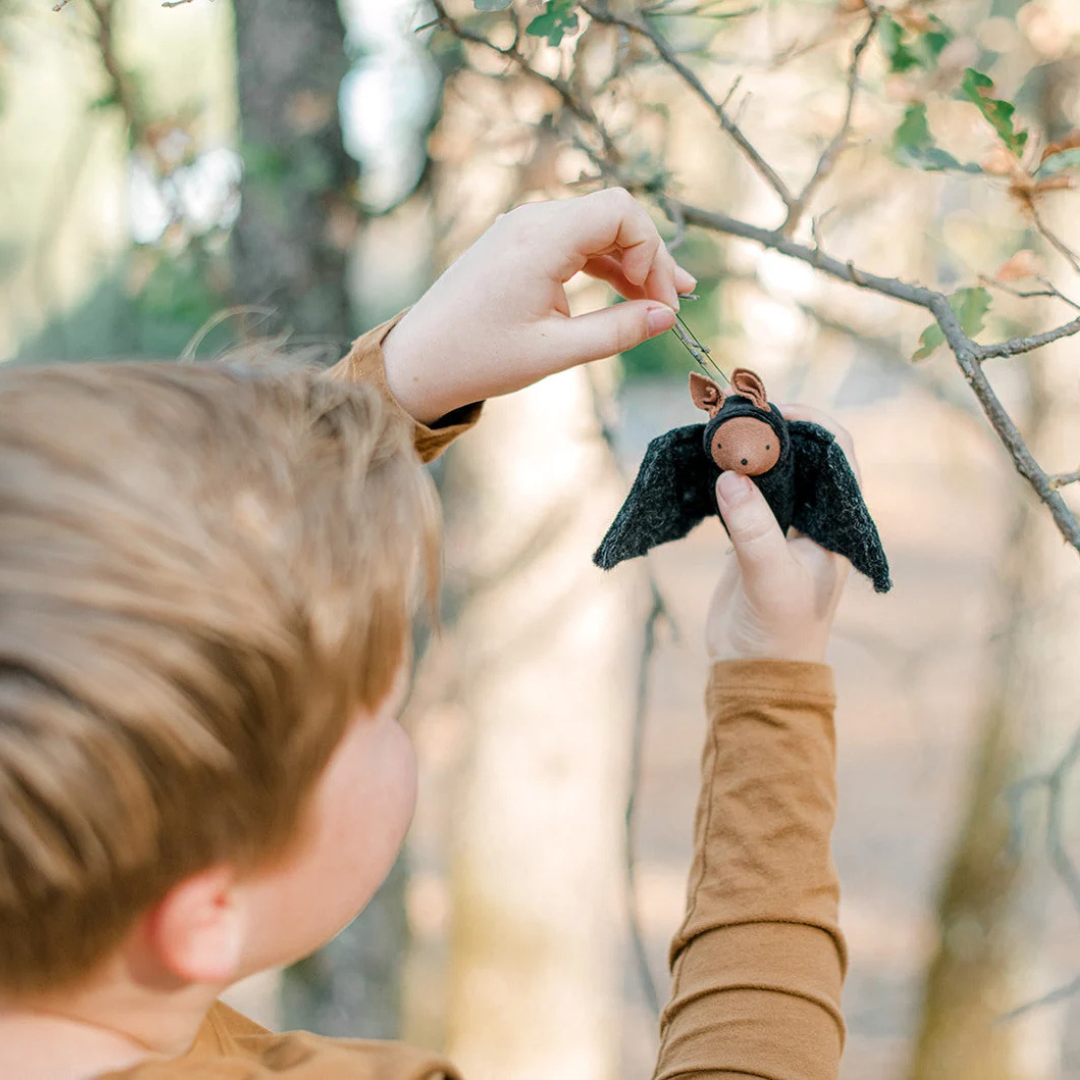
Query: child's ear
[749,385]
[197,930]
[706,394]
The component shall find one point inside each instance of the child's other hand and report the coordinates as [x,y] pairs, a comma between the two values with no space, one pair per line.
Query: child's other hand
[498,319]
[778,599]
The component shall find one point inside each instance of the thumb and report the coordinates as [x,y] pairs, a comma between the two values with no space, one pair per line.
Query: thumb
[608,331]
[760,546]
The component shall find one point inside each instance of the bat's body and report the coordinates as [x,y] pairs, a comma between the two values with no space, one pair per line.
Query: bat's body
[798,466]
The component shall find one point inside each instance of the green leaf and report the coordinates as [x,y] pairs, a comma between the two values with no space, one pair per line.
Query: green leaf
[891,35]
[492,5]
[558,20]
[908,50]
[970,307]
[1066,159]
[934,41]
[930,341]
[976,88]
[914,146]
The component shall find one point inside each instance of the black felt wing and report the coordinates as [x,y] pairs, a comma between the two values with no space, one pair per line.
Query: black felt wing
[674,490]
[829,506]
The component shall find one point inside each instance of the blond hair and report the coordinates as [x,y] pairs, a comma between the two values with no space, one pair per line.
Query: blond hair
[205,573]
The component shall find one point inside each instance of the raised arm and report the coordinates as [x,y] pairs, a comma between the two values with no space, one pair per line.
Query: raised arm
[499,320]
[759,961]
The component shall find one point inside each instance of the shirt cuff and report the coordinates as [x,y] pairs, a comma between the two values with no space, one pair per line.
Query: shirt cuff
[365,362]
[777,681]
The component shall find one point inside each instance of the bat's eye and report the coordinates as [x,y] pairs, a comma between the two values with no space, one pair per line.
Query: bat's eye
[719,447]
[768,447]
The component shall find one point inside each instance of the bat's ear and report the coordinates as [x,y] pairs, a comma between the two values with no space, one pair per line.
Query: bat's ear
[706,394]
[749,386]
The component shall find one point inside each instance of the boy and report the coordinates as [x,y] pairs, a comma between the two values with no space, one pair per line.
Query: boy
[206,584]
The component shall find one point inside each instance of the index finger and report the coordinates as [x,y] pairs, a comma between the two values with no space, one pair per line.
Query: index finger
[613,222]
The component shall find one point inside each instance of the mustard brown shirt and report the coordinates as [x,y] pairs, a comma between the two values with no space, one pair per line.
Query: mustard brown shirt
[759,961]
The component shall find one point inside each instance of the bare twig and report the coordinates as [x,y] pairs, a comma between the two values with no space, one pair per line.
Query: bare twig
[1063,479]
[1049,289]
[1016,346]
[1053,783]
[1053,240]
[1060,994]
[122,90]
[668,55]
[827,161]
[657,612]
[513,54]
[679,238]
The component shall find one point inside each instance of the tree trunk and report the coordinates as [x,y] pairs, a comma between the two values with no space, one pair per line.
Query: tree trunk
[548,649]
[289,250]
[973,977]
[297,222]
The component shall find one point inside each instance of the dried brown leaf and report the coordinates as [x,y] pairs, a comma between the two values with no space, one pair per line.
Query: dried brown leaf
[1024,264]
[1070,142]
[1055,183]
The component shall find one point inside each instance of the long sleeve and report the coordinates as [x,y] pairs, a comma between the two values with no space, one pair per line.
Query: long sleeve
[365,363]
[759,961]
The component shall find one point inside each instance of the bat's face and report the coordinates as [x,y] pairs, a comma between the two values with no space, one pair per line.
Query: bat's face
[745,445]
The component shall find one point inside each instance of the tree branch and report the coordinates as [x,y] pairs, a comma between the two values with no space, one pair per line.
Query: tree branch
[512,53]
[657,612]
[1053,783]
[1018,345]
[827,161]
[668,55]
[1049,289]
[1054,241]
[968,353]
[122,89]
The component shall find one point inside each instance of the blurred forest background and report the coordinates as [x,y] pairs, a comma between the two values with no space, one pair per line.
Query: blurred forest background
[176,179]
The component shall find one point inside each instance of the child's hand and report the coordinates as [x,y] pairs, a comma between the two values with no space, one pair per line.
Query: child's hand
[778,599]
[498,319]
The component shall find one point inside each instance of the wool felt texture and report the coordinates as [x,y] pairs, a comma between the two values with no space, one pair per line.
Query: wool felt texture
[811,488]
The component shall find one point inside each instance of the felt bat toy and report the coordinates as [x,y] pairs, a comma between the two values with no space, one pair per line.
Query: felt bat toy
[798,466]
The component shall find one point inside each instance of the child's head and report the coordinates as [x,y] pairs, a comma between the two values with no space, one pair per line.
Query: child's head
[206,575]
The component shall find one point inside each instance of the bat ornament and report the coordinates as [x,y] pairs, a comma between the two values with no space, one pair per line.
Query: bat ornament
[798,466]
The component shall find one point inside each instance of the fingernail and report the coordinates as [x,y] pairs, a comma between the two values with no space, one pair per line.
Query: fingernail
[734,487]
[660,318]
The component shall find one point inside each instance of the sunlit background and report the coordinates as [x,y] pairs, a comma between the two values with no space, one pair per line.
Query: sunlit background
[183,178]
